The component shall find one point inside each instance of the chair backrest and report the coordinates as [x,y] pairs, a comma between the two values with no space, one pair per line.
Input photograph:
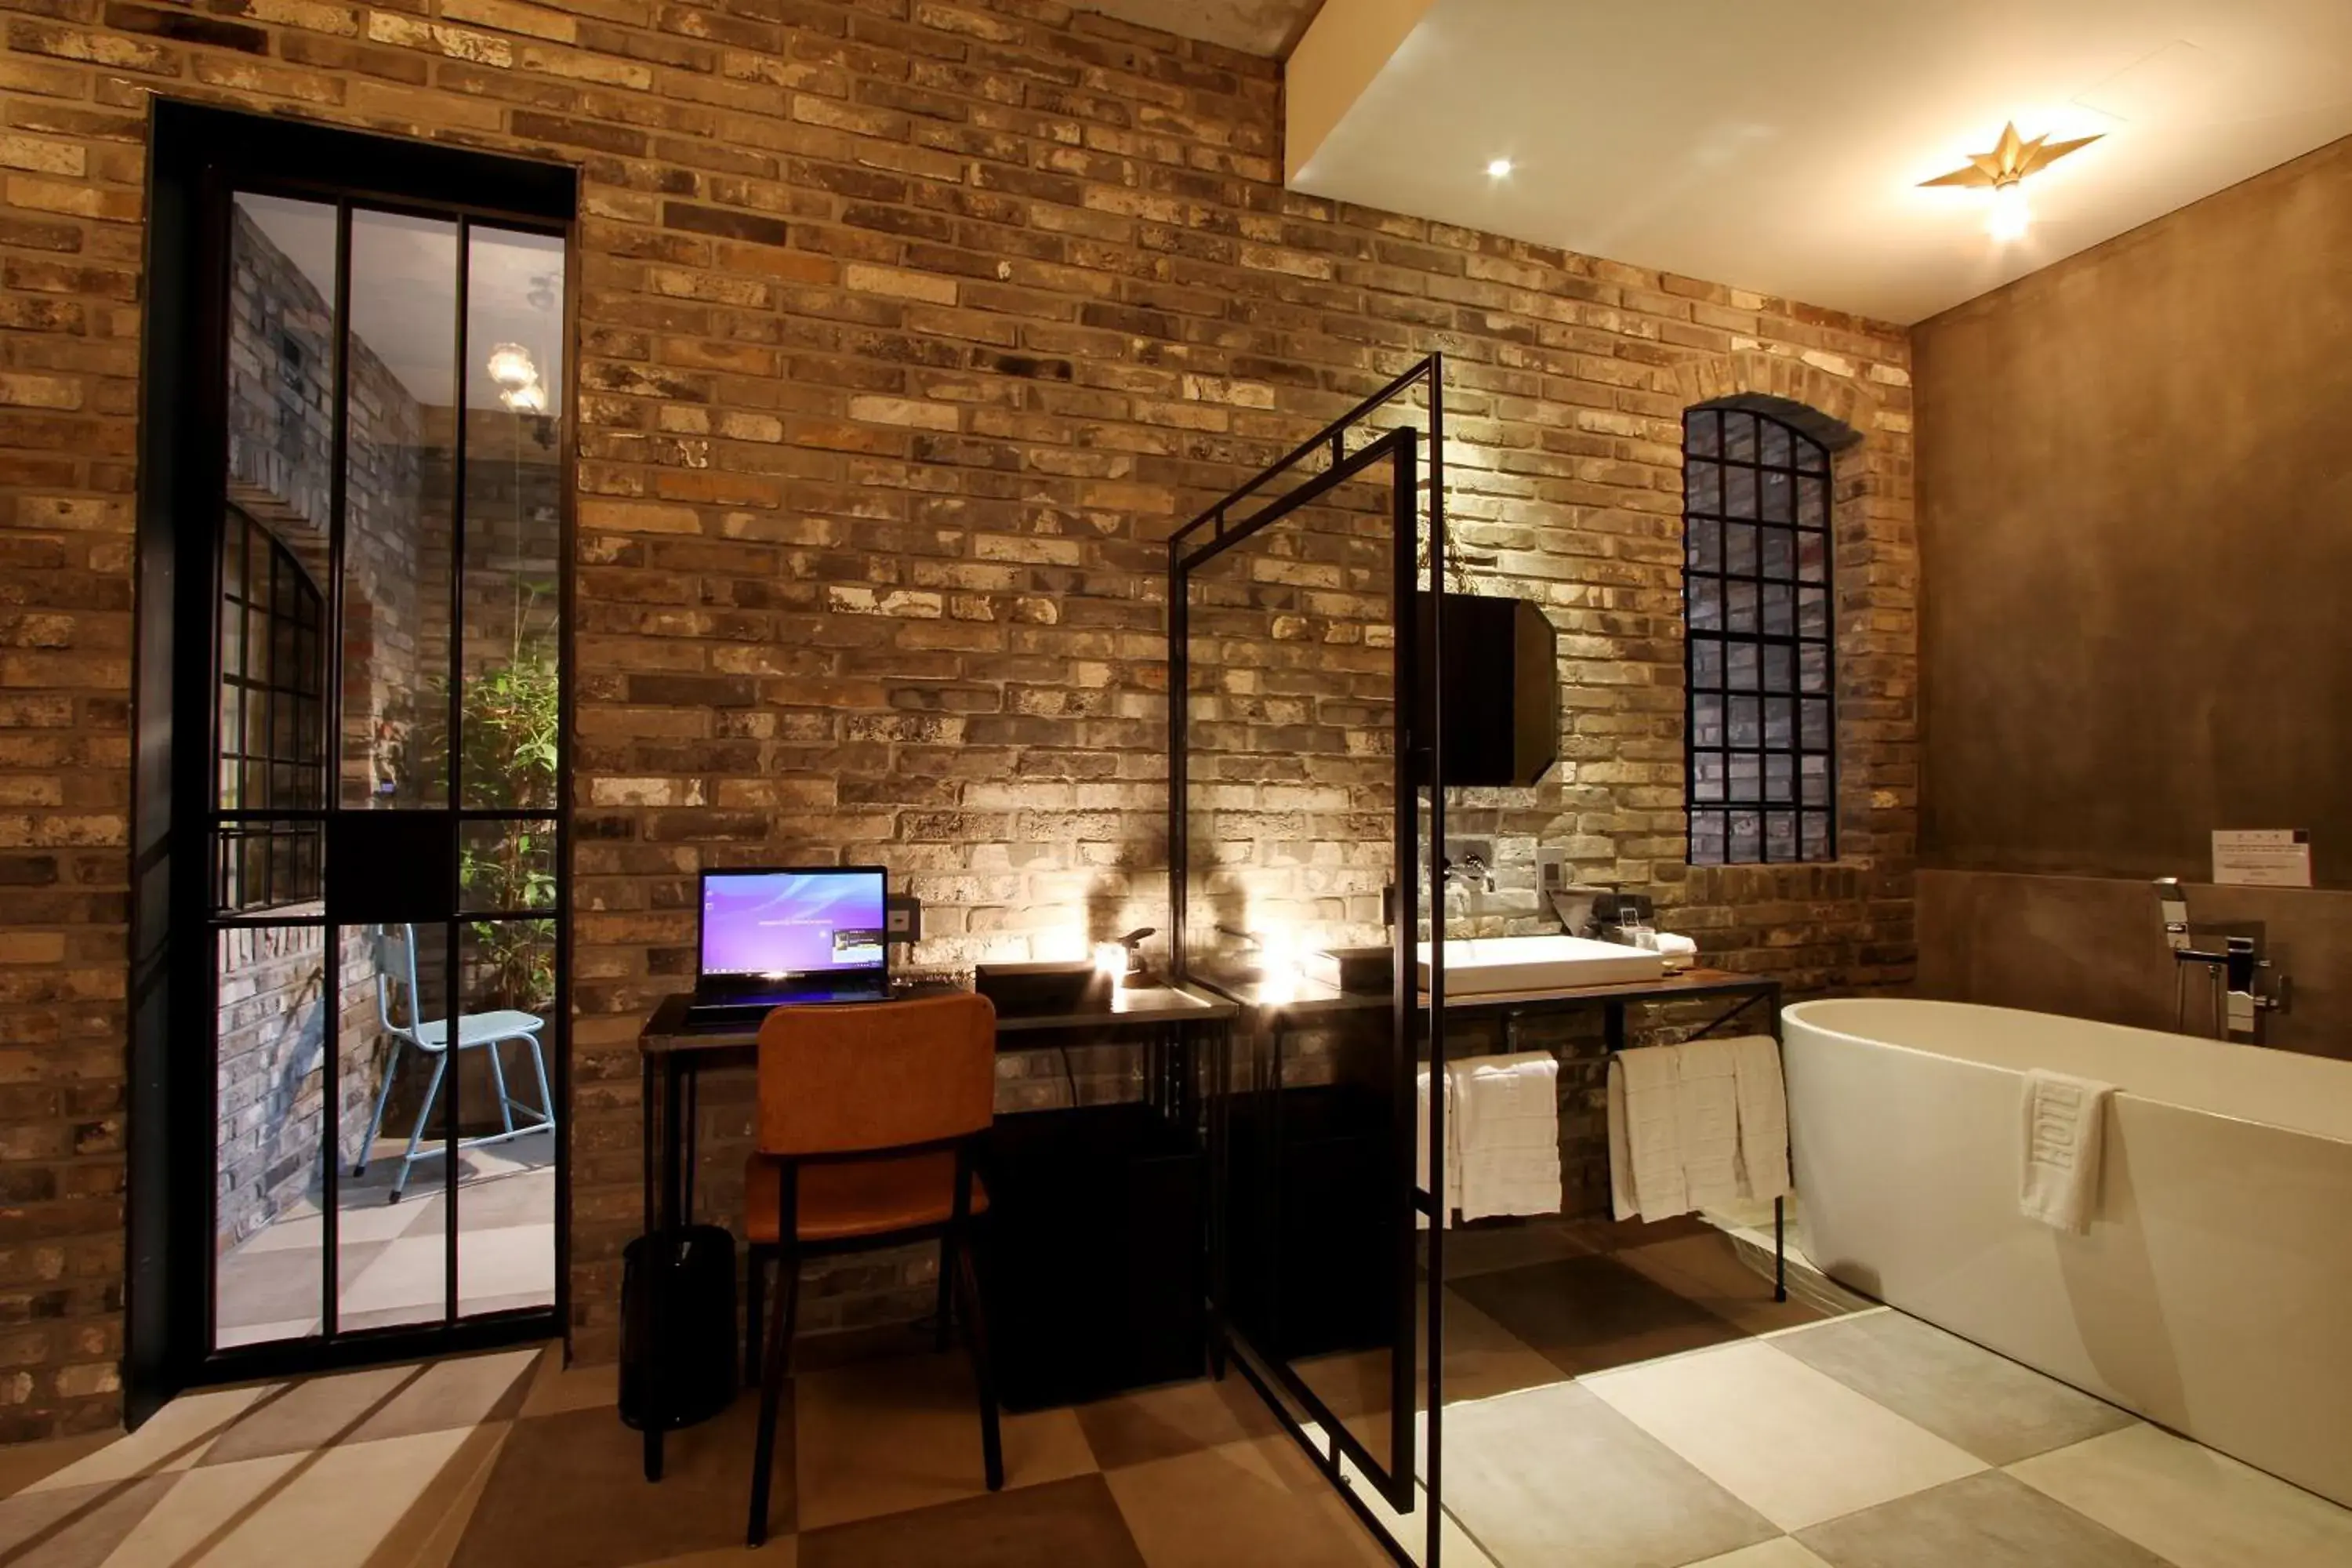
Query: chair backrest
[873,1076]
[394,950]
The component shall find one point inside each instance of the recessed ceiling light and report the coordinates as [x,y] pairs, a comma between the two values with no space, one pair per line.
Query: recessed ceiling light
[1498,168]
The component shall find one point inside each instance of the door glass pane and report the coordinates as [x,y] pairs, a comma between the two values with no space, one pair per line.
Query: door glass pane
[394,1266]
[270,1030]
[514,518]
[506,1205]
[398,529]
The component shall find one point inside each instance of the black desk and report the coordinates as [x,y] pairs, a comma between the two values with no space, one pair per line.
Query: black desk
[1167,1023]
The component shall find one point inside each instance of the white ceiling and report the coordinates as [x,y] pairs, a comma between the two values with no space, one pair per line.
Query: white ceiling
[1252,26]
[1778,145]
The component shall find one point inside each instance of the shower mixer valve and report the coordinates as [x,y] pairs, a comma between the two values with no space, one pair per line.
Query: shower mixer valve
[2246,989]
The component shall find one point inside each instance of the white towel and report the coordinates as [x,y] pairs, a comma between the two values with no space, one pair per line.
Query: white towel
[1508,1133]
[1645,1161]
[1763,1117]
[2064,1127]
[1707,1120]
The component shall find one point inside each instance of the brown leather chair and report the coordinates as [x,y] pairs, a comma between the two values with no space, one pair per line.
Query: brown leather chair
[869,1121]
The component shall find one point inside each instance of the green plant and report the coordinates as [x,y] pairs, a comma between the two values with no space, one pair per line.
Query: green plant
[509,724]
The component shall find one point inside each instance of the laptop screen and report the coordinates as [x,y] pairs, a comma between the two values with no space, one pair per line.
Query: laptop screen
[792,925]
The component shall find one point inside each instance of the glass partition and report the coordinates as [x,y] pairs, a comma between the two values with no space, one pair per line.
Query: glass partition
[1303,739]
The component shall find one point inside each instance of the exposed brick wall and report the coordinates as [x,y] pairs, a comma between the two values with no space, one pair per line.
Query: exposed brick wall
[907,330]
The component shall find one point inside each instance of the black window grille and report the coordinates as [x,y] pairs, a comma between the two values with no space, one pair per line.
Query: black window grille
[1763,770]
[272,718]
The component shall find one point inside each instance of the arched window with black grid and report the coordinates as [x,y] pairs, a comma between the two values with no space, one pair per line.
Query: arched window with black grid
[271,707]
[1761,775]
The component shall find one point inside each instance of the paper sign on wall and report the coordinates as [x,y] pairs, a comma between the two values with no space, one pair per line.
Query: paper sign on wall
[2263,857]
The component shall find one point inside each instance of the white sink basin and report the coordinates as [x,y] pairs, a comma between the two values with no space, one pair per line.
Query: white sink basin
[1475,966]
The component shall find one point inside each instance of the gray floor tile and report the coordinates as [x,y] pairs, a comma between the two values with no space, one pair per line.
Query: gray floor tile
[1987,1521]
[1986,1403]
[1554,1475]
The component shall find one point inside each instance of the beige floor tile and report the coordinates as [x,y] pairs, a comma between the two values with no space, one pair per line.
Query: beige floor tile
[556,1388]
[1708,1271]
[1484,1251]
[1232,1504]
[1484,1359]
[173,1439]
[1555,1476]
[22,1464]
[1455,1547]
[1182,1418]
[312,1414]
[428,1537]
[1785,1552]
[885,1437]
[505,1261]
[462,1391]
[781,1551]
[75,1527]
[337,1512]
[1792,1442]
[1989,1520]
[205,1505]
[2190,1505]
[1987,1404]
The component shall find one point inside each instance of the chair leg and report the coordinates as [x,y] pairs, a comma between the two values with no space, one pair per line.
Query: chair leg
[432,1093]
[382,1100]
[499,1083]
[975,1322]
[771,1392]
[945,1315]
[755,1293]
[546,1095]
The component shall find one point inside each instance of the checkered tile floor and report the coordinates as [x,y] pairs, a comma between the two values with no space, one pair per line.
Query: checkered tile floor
[1622,1405]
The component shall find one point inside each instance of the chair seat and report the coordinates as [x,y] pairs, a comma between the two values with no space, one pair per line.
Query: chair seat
[844,1200]
[479,1029]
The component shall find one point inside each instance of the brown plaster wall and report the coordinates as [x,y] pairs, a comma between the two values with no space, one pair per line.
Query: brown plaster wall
[2134,496]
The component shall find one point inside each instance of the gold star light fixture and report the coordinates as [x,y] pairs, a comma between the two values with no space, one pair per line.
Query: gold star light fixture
[2002,171]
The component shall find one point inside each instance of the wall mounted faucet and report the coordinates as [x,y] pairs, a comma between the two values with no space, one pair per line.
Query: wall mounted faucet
[2244,988]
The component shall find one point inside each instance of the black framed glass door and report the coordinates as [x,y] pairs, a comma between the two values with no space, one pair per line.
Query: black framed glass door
[382,828]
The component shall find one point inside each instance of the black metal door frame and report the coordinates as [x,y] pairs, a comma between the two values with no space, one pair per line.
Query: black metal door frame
[1417,1032]
[201,157]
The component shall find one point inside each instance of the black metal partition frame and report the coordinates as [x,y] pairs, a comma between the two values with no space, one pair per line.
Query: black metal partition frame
[1354,448]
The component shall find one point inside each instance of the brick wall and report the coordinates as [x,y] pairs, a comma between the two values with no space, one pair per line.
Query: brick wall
[907,329]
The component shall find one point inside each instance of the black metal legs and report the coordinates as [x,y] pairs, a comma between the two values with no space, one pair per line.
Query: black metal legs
[983,1370]
[1780,1250]
[945,1310]
[755,1292]
[779,1357]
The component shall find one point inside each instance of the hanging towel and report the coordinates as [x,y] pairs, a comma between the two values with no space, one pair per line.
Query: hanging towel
[1707,1120]
[2065,1128]
[1763,1117]
[1508,1108]
[1646,1156]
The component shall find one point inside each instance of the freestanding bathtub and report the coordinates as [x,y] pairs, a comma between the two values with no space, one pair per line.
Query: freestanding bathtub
[2213,1292]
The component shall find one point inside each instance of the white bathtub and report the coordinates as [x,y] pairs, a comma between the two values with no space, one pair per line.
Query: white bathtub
[2213,1294]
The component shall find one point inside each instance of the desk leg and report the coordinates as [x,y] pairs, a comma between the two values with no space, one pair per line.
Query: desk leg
[1613,1026]
[676,1132]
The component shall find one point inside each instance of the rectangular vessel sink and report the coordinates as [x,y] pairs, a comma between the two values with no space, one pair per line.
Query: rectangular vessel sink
[1475,966]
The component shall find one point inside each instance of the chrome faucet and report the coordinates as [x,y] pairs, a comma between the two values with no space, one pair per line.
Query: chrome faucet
[1471,873]
[2242,999]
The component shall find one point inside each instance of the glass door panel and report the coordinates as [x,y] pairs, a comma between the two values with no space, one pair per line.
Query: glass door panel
[384,838]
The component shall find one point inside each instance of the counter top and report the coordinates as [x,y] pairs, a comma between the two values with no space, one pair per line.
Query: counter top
[1308,997]
[668,1029]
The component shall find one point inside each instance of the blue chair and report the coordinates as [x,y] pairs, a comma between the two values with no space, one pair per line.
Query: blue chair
[395,972]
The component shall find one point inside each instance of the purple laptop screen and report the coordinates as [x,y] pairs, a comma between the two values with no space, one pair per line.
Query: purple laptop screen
[785,924]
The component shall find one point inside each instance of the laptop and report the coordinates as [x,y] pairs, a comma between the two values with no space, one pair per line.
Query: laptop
[769,938]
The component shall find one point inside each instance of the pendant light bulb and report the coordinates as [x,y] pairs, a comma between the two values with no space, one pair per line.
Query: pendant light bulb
[2011,214]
